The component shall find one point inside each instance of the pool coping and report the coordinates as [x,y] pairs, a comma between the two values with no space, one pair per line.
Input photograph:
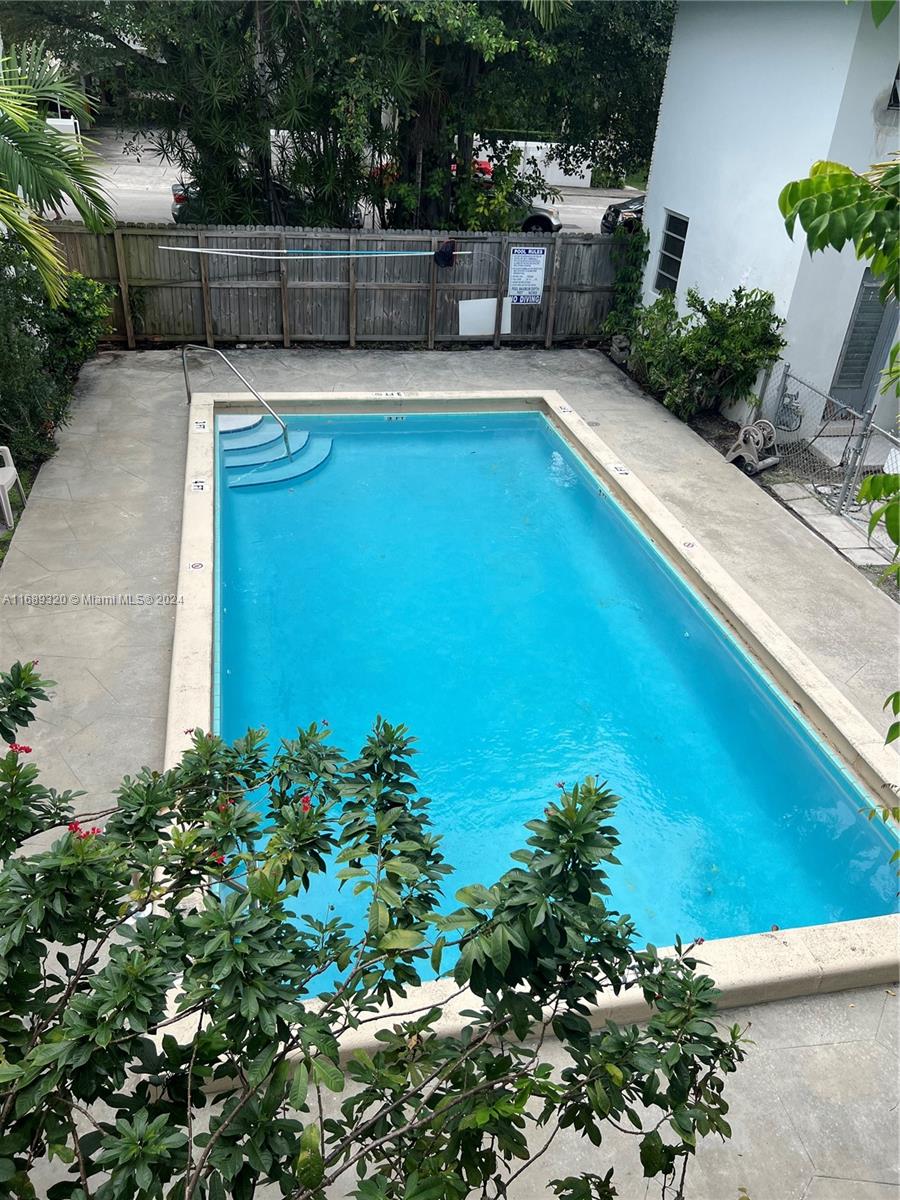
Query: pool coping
[748,969]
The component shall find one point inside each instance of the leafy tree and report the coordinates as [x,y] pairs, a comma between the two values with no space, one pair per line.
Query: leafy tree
[369,100]
[39,167]
[171,1027]
[883,491]
[835,206]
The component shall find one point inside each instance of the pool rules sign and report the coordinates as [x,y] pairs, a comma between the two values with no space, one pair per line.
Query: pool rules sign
[526,274]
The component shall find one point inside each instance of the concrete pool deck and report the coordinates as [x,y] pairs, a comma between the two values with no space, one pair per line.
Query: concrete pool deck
[104,520]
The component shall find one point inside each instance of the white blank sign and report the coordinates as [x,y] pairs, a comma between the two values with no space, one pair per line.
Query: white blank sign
[477,317]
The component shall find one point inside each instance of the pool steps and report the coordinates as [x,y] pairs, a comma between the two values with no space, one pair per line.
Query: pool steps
[265,433]
[256,455]
[236,422]
[297,439]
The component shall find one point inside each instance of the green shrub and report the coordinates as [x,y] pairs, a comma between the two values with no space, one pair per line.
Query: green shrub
[75,328]
[730,343]
[42,349]
[657,337]
[709,357]
[32,402]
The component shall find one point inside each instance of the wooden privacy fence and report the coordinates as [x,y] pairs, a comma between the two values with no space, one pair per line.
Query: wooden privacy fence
[164,296]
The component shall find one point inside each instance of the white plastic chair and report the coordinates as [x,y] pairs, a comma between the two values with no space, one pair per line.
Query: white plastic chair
[8,476]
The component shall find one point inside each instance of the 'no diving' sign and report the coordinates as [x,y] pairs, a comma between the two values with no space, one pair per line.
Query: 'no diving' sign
[526,274]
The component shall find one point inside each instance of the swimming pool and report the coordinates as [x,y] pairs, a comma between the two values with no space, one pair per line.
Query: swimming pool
[467,574]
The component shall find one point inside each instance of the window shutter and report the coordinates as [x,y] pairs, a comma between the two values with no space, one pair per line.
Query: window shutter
[861,339]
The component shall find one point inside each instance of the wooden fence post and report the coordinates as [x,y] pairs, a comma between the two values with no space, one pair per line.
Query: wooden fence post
[551,305]
[351,293]
[207,297]
[123,288]
[285,298]
[501,288]
[432,296]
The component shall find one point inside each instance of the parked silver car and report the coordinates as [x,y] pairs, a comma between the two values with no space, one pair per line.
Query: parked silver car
[542,218]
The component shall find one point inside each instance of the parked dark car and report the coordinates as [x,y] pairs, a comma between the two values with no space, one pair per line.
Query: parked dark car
[629,212]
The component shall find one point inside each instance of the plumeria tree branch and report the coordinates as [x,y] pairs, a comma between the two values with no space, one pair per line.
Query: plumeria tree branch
[197,1028]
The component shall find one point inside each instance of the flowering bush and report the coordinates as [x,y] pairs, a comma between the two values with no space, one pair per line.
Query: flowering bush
[170,1027]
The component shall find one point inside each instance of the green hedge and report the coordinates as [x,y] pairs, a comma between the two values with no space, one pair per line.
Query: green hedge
[42,349]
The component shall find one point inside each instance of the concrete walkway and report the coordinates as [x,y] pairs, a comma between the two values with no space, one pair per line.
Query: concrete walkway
[815,1107]
[813,1112]
[103,519]
[849,536]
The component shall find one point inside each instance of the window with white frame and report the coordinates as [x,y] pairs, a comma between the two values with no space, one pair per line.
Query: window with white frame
[671,252]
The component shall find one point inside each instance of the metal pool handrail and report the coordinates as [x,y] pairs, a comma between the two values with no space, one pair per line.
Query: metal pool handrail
[249,386]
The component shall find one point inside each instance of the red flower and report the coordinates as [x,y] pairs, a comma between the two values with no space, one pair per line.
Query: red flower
[218,858]
[84,834]
[35,661]
[699,941]
[17,749]
[188,731]
[306,803]
[560,784]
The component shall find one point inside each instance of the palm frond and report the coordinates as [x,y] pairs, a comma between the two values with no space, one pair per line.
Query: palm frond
[38,242]
[30,69]
[45,166]
[547,12]
[39,166]
[16,102]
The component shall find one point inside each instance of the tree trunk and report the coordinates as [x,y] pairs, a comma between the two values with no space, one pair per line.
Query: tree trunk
[262,155]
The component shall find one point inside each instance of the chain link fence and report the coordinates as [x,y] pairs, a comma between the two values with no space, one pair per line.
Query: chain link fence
[823,444]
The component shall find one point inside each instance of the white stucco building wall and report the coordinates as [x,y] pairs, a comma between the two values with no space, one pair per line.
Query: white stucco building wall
[865,132]
[755,92]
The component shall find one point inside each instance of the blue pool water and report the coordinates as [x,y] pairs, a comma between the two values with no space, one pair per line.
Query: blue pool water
[467,575]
